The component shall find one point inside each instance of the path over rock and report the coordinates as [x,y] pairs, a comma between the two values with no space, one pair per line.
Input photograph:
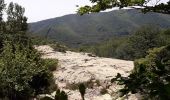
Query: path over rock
[75,68]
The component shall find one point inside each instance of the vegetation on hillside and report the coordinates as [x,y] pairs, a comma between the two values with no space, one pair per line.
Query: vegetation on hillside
[75,30]
[39,40]
[140,42]
[133,46]
[105,49]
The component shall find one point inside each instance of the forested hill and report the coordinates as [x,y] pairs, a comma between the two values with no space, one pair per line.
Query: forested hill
[88,29]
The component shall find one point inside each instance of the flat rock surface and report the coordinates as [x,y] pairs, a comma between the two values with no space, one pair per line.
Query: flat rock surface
[75,68]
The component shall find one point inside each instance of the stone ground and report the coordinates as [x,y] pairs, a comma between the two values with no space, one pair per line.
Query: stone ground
[95,72]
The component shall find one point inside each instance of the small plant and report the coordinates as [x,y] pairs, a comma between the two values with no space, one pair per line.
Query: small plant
[59,47]
[82,89]
[51,64]
[61,95]
[89,84]
[72,86]
[98,82]
[103,91]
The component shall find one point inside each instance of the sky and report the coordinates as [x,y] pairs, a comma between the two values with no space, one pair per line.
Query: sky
[37,10]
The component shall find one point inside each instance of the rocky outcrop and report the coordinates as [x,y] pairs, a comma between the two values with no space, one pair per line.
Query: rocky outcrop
[95,72]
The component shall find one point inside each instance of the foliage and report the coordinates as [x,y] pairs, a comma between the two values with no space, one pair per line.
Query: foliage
[38,40]
[59,47]
[125,51]
[131,46]
[16,21]
[100,5]
[61,95]
[88,84]
[23,74]
[150,76]
[140,42]
[103,91]
[51,64]
[166,36]
[105,49]
[2,5]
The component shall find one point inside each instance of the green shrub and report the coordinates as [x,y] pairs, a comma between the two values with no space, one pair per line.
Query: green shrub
[39,40]
[72,86]
[59,47]
[23,74]
[150,76]
[88,84]
[61,95]
[51,64]
[103,91]
[137,45]
[132,46]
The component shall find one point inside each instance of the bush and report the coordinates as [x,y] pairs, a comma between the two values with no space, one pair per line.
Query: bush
[166,36]
[103,91]
[61,95]
[23,74]
[150,76]
[154,71]
[133,46]
[140,42]
[51,64]
[59,47]
[71,86]
[105,49]
[88,84]
[40,40]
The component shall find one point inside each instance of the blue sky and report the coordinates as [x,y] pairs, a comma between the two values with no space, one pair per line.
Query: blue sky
[37,10]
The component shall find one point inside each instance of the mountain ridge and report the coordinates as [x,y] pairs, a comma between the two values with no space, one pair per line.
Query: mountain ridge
[75,30]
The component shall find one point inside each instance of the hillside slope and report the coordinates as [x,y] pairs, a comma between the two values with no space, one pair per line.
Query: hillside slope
[75,30]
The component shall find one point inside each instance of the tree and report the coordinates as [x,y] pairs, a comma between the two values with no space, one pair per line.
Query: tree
[150,77]
[23,74]
[100,5]
[2,5]
[137,45]
[16,21]
[125,51]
